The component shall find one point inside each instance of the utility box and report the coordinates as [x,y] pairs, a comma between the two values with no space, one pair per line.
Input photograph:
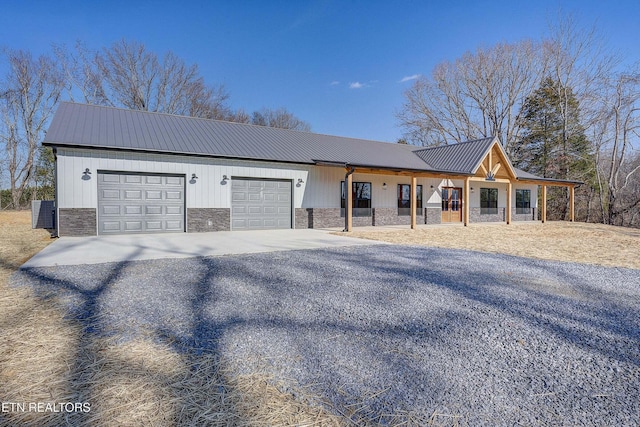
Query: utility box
[43,214]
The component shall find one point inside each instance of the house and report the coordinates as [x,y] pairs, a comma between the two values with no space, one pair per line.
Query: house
[124,171]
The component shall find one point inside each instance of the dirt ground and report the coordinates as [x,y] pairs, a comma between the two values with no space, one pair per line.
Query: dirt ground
[47,358]
[560,241]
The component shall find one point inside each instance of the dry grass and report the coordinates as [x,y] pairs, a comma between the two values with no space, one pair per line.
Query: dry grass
[49,359]
[561,241]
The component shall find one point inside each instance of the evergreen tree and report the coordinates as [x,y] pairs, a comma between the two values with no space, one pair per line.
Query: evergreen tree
[554,144]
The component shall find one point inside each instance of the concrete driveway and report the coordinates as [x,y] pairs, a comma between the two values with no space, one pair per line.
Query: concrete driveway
[100,249]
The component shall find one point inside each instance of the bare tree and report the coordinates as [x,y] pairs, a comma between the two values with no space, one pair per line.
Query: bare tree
[280,118]
[621,135]
[28,96]
[128,75]
[478,95]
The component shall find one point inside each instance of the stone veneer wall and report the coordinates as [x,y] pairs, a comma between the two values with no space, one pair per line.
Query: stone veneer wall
[523,217]
[303,218]
[77,222]
[476,216]
[208,219]
[389,216]
[325,218]
[433,215]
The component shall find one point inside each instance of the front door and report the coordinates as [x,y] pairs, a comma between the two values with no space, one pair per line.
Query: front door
[451,204]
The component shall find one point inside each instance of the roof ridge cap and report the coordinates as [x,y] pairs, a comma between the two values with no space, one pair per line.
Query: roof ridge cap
[456,144]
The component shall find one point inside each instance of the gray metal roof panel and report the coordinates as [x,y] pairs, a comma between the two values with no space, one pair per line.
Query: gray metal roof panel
[523,175]
[463,157]
[112,128]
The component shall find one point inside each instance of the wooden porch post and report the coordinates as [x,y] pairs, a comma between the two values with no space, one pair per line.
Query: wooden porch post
[508,215]
[349,201]
[544,204]
[414,202]
[572,199]
[465,198]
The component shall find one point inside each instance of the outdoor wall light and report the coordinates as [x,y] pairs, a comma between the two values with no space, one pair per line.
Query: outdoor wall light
[384,185]
[432,186]
[225,178]
[87,171]
[86,175]
[193,176]
[300,181]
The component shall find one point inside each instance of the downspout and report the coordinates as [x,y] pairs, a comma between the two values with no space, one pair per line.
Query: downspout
[347,193]
[56,215]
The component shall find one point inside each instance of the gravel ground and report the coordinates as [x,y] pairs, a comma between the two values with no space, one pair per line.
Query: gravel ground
[390,333]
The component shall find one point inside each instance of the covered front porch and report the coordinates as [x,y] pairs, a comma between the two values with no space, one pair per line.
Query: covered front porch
[489,190]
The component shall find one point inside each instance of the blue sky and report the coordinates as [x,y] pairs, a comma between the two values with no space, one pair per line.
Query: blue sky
[338,65]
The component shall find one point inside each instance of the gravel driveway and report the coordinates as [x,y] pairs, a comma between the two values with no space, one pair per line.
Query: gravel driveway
[389,333]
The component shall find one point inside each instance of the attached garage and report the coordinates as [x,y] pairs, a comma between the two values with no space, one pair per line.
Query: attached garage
[140,203]
[260,204]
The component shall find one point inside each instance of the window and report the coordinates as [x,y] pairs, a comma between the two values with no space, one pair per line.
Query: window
[523,201]
[404,199]
[488,201]
[361,198]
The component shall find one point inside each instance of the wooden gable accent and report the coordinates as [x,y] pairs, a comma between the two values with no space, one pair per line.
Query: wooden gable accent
[495,163]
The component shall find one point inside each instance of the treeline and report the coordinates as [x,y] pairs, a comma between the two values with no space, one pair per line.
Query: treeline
[563,107]
[125,74]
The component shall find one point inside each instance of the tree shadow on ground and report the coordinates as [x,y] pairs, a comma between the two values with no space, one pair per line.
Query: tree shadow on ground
[303,317]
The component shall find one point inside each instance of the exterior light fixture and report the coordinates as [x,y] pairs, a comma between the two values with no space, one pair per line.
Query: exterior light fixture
[384,185]
[225,178]
[87,171]
[432,186]
[193,176]
[300,181]
[86,175]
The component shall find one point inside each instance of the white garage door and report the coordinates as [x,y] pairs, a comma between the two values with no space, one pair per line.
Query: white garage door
[260,204]
[140,203]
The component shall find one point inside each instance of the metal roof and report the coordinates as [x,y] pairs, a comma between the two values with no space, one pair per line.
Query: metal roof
[90,126]
[523,175]
[463,157]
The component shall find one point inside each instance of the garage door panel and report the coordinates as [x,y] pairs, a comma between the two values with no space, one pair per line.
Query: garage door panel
[174,210]
[238,196]
[238,210]
[153,195]
[109,178]
[237,224]
[110,194]
[153,210]
[174,195]
[254,210]
[140,203]
[133,226]
[133,210]
[260,204]
[173,225]
[110,210]
[153,225]
[270,223]
[284,224]
[153,180]
[132,194]
[174,180]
